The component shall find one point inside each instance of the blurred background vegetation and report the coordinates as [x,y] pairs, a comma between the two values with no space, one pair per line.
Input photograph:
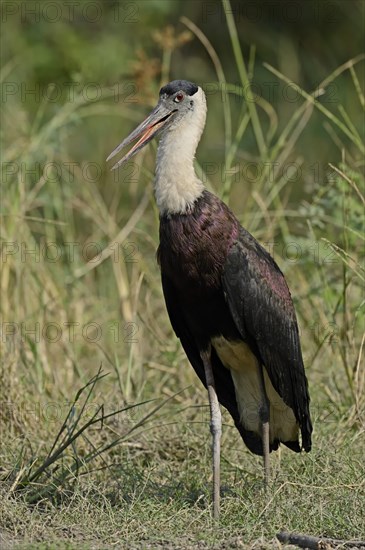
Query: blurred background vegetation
[80,285]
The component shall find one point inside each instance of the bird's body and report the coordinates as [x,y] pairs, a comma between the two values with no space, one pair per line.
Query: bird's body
[195,250]
[227,300]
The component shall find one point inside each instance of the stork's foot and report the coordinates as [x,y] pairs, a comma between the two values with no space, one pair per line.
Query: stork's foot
[264,413]
[216,431]
[266,452]
[215,428]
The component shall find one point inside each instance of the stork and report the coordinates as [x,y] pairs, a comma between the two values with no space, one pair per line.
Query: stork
[227,299]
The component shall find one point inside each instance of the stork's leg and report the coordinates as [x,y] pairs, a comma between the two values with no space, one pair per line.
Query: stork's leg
[215,428]
[264,414]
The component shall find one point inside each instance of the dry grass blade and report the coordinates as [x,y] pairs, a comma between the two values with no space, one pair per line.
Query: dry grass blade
[142,422]
[347,259]
[350,181]
[69,432]
[220,74]
[120,238]
[333,118]
[246,84]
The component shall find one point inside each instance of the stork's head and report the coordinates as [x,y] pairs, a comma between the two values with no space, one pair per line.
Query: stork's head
[181,103]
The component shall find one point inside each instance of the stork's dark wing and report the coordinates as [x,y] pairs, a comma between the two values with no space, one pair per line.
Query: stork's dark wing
[222,376]
[263,311]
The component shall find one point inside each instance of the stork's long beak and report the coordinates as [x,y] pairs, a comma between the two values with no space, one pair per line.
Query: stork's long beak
[145,131]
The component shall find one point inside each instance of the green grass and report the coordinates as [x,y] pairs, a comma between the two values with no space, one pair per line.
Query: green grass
[156,491]
[104,427]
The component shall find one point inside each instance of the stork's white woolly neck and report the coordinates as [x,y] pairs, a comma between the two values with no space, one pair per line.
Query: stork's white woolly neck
[177,186]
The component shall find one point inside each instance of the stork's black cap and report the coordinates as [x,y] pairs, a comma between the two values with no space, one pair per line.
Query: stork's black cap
[176,85]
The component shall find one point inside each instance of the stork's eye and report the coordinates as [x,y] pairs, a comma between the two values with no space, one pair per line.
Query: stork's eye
[179,97]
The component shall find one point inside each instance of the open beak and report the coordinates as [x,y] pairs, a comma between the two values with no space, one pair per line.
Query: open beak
[145,132]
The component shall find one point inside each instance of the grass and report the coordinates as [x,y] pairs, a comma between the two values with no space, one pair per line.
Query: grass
[104,428]
[155,492]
